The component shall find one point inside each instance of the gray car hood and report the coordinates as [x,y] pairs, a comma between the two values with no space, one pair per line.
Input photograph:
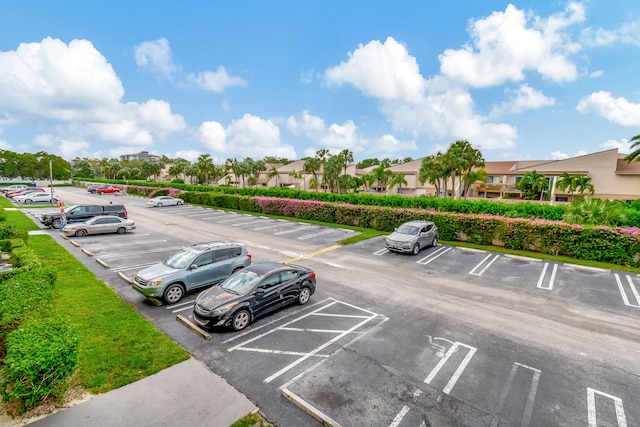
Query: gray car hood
[156,271]
[398,237]
[215,297]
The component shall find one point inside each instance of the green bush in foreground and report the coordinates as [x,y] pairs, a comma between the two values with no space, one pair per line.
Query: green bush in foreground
[40,357]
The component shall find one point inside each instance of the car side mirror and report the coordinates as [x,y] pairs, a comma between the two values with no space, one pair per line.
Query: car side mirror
[260,291]
[193,267]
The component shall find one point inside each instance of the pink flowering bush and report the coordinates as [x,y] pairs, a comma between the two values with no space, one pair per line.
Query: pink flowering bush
[606,244]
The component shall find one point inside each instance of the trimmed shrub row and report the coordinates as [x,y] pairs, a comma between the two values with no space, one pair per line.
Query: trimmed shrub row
[606,244]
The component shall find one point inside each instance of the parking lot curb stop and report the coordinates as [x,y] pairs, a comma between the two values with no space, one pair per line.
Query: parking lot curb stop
[180,318]
[309,409]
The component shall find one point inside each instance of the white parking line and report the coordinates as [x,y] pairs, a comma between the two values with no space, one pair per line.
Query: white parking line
[531,397]
[320,233]
[591,407]
[633,288]
[435,254]
[551,279]
[132,267]
[266,227]
[239,224]
[495,257]
[293,231]
[381,251]
[458,372]
[148,251]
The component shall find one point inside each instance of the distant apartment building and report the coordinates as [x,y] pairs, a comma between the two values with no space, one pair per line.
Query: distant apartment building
[142,155]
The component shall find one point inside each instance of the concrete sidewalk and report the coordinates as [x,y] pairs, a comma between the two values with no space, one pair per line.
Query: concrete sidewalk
[186,394]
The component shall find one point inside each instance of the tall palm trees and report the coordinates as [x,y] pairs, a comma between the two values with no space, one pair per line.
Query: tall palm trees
[572,183]
[635,145]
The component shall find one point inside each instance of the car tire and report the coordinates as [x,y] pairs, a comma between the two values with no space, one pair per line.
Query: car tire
[304,295]
[28,201]
[173,293]
[179,203]
[434,242]
[159,205]
[81,233]
[55,223]
[415,249]
[121,230]
[240,320]
[53,201]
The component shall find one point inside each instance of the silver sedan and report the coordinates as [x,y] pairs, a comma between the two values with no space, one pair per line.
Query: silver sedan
[99,225]
[160,201]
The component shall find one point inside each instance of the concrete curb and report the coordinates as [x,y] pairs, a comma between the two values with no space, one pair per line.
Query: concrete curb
[125,277]
[309,409]
[180,318]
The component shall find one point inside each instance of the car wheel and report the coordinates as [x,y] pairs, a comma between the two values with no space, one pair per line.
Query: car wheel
[121,230]
[434,242]
[173,294]
[53,201]
[179,203]
[304,295]
[81,233]
[159,205]
[240,320]
[415,249]
[55,223]
[28,201]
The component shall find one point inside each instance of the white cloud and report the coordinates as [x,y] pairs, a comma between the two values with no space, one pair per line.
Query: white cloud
[249,136]
[66,148]
[597,73]
[338,137]
[558,155]
[617,110]
[384,71]
[216,81]
[506,44]
[628,33]
[190,155]
[437,108]
[155,56]
[75,87]
[522,99]
[623,146]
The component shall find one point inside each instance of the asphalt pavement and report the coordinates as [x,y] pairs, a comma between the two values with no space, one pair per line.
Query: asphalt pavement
[186,394]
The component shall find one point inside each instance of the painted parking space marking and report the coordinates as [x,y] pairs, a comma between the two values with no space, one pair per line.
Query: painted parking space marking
[254,221]
[132,267]
[366,317]
[481,263]
[444,358]
[433,255]
[295,230]
[147,251]
[591,407]
[549,285]
[320,233]
[634,291]
[182,306]
[519,369]
[381,251]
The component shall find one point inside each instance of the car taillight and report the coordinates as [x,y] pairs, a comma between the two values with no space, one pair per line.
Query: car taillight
[312,275]
[249,256]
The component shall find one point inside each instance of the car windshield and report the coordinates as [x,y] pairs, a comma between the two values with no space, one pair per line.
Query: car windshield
[241,282]
[408,229]
[180,259]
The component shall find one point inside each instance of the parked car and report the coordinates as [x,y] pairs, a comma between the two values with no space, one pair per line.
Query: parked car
[108,189]
[160,201]
[22,191]
[76,213]
[36,197]
[99,225]
[253,292]
[193,267]
[92,188]
[13,187]
[413,236]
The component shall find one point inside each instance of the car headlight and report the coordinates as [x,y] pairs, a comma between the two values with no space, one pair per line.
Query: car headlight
[222,310]
[154,282]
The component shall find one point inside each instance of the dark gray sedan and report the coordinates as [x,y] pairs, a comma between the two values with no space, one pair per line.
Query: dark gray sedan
[412,236]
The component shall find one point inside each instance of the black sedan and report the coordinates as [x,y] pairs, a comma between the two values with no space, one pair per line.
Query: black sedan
[253,292]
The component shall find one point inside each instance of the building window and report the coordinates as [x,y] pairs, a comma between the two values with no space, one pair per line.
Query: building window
[492,179]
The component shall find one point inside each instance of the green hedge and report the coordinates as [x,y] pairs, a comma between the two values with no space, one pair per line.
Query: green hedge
[40,357]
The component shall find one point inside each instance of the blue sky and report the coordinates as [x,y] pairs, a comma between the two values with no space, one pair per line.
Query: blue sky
[523,80]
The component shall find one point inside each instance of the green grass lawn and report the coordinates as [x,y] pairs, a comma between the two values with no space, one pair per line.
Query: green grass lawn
[118,345]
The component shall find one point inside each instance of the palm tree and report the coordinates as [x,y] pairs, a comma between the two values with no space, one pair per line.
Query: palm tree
[584,185]
[589,211]
[381,175]
[635,145]
[273,173]
[434,172]
[312,165]
[533,185]
[295,175]
[566,182]
[346,156]
[397,179]
[347,182]
[471,177]
[332,169]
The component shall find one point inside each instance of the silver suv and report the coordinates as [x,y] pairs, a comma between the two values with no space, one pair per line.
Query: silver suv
[412,236]
[193,267]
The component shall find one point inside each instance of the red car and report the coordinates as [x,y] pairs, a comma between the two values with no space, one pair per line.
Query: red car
[11,194]
[108,189]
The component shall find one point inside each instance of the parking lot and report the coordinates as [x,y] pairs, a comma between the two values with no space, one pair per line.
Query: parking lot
[451,335]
